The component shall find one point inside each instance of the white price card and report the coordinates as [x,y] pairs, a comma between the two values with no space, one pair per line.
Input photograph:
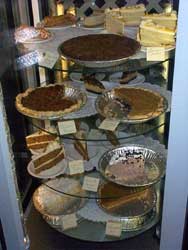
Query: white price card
[67,127]
[113,228]
[76,167]
[155,54]
[90,184]
[109,124]
[48,59]
[69,221]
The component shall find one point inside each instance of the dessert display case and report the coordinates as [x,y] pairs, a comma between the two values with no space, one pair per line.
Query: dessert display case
[96,126]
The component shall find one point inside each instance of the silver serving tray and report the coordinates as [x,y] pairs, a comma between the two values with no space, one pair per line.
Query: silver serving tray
[154,164]
[40,200]
[132,220]
[108,97]
[72,93]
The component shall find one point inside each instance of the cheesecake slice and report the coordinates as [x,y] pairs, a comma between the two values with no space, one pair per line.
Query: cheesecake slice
[154,35]
[168,20]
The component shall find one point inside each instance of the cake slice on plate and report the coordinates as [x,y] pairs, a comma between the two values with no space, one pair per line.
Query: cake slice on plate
[39,140]
[49,159]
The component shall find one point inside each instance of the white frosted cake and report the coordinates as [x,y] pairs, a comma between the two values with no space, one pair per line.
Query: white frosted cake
[168,20]
[154,35]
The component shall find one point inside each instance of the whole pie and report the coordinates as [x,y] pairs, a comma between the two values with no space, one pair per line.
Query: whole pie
[134,104]
[99,47]
[46,102]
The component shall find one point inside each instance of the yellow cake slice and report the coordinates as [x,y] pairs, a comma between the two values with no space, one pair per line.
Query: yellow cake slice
[132,14]
[128,16]
[151,34]
[168,20]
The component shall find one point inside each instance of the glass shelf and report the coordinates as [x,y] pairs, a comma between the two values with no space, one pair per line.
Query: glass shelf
[67,66]
[88,194]
[95,232]
[97,136]
[128,66]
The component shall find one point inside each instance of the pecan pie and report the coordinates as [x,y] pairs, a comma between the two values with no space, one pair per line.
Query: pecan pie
[99,47]
[46,102]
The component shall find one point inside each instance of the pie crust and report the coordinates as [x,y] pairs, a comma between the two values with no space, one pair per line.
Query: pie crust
[75,105]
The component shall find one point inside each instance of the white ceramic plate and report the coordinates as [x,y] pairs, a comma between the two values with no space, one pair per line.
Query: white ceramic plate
[33,41]
[81,25]
[53,172]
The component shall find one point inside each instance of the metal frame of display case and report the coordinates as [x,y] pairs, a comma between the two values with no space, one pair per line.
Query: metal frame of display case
[176,189]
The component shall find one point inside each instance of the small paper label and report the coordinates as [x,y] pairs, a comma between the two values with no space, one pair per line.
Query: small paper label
[67,127]
[155,54]
[48,59]
[76,167]
[109,124]
[69,221]
[113,228]
[90,184]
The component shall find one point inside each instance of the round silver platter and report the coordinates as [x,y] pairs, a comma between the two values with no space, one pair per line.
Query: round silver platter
[51,205]
[72,93]
[108,97]
[133,216]
[154,164]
